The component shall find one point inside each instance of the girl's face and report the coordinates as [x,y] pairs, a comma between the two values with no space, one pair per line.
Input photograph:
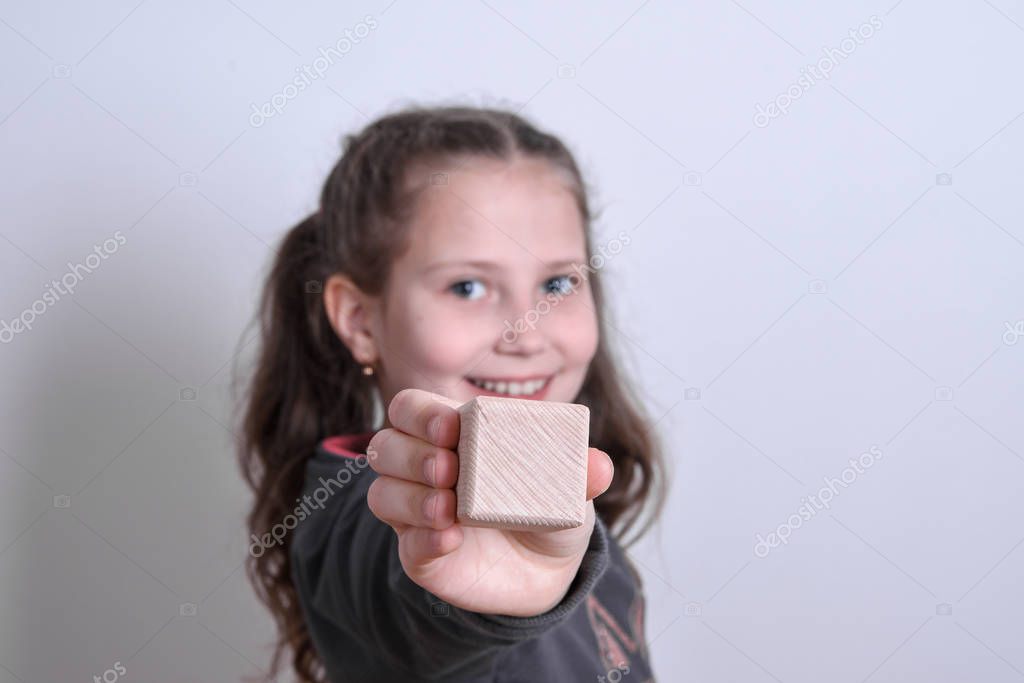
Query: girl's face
[485,301]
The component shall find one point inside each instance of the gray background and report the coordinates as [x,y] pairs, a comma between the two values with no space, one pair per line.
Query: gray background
[815,283]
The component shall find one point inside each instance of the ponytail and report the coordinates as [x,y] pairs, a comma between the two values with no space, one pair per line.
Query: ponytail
[306,386]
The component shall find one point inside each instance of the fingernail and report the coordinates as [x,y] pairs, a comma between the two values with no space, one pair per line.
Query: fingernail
[430,469]
[430,506]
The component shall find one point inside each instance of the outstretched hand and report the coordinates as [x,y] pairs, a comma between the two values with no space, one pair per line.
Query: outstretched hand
[493,571]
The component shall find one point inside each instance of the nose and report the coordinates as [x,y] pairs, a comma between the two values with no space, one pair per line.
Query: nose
[520,334]
[529,343]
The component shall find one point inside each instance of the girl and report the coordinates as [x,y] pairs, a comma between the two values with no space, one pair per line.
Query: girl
[417,285]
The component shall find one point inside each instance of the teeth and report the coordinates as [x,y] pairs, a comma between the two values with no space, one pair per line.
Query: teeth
[511,388]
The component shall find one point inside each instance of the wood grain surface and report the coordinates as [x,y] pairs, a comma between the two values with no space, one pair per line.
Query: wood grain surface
[522,463]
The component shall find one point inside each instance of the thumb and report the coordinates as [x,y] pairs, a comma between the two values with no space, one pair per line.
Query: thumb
[600,471]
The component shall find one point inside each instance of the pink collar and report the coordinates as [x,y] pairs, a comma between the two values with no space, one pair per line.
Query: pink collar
[348,445]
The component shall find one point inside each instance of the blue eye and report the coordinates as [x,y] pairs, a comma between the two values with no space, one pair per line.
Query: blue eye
[466,290]
[562,285]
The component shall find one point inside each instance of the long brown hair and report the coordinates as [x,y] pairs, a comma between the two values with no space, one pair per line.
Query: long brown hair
[306,385]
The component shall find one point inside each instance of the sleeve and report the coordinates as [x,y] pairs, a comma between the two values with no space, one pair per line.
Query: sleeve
[356,581]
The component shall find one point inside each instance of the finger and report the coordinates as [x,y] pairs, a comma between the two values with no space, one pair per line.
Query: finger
[418,545]
[428,416]
[398,502]
[400,455]
[600,471]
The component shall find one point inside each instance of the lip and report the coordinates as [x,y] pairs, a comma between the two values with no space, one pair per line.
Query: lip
[539,396]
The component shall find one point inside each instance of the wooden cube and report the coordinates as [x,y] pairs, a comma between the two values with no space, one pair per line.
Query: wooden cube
[522,463]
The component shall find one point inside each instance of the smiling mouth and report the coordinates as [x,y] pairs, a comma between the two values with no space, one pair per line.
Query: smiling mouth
[525,388]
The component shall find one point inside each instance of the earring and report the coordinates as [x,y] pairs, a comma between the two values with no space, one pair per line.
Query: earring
[367,370]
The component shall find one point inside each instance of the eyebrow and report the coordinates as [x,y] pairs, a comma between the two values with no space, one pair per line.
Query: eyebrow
[492,265]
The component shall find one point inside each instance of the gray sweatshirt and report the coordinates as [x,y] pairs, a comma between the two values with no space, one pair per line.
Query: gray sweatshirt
[370,622]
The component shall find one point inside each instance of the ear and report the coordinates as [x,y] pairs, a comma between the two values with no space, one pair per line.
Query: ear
[351,314]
